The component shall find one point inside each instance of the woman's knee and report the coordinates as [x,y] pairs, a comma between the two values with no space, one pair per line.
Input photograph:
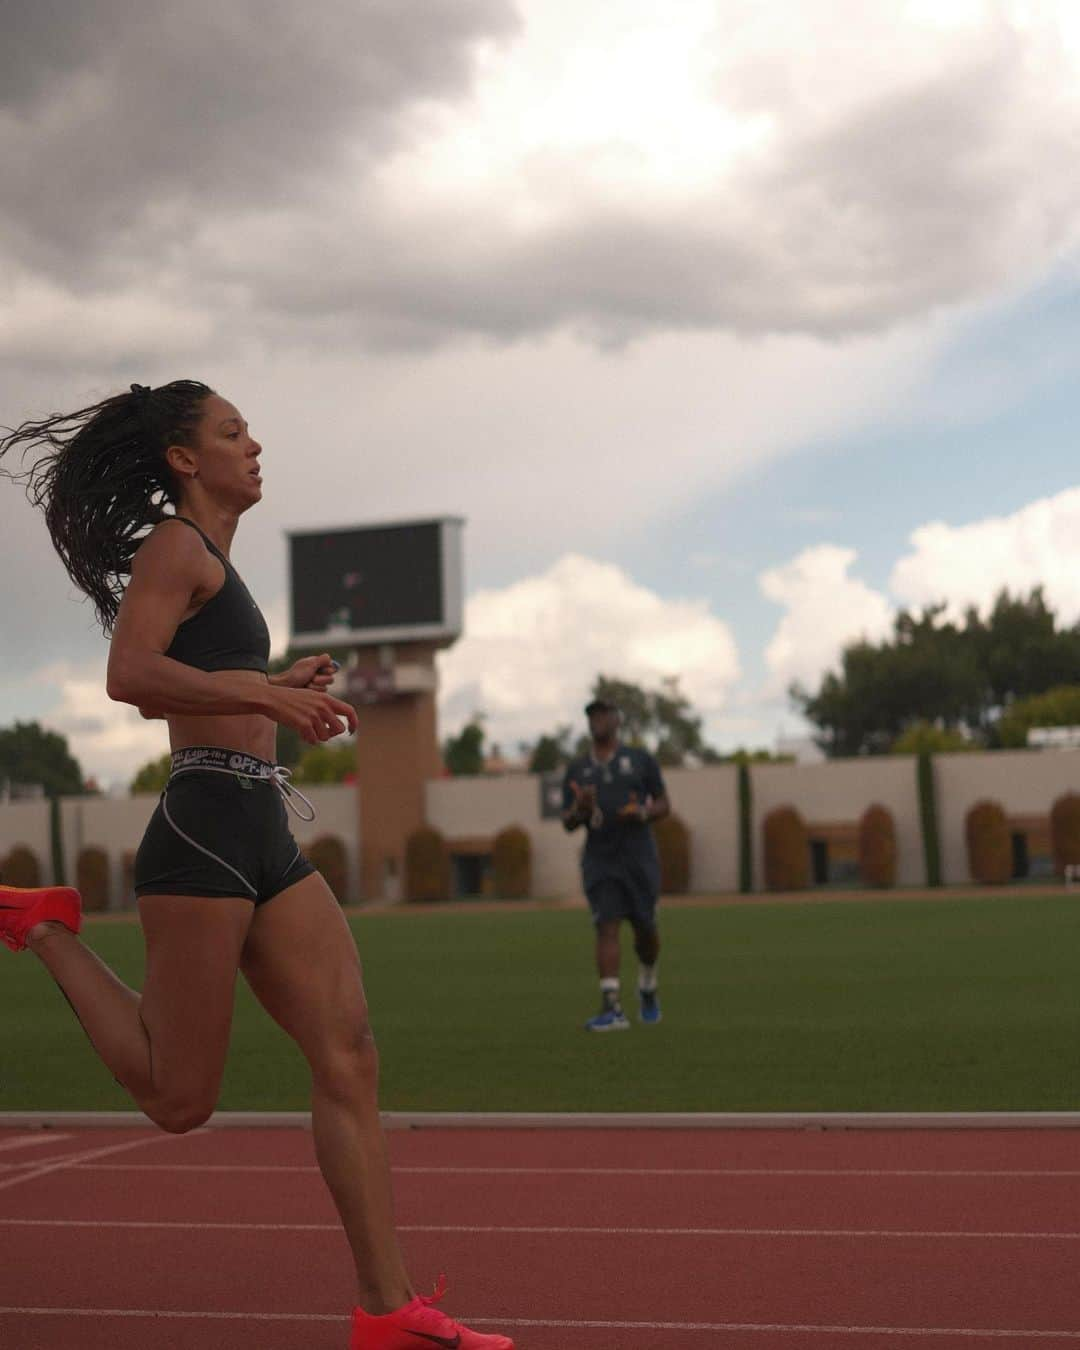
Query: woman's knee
[346,1064]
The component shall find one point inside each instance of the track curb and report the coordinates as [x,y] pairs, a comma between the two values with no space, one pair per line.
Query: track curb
[577,1120]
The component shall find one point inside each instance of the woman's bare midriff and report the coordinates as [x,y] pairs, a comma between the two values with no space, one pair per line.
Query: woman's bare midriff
[250,732]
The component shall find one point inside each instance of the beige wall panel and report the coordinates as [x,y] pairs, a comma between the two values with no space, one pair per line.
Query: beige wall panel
[1025,782]
[707,801]
[27,823]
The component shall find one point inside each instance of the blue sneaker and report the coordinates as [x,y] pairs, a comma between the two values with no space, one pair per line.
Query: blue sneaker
[649,1005]
[610,1019]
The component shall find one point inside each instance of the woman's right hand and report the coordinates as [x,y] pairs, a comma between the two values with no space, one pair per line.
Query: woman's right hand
[315,716]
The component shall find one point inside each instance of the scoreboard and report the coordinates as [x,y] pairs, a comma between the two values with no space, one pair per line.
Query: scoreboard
[364,585]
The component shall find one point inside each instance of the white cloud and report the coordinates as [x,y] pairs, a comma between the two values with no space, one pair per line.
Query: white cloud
[588,445]
[826,609]
[1039,545]
[533,648]
[42,322]
[110,740]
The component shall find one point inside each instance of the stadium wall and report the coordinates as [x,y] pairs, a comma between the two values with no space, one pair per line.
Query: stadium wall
[1026,783]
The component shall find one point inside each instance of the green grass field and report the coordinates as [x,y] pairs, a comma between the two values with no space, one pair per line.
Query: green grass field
[883,1005]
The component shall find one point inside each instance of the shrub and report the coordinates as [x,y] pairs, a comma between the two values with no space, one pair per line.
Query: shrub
[326,764]
[989,844]
[92,878]
[673,845]
[21,867]
[1065,832]
[327,853]
[1057,707]
[787,850]
[427,865]
[923,738]
[511,861]
[153,776]
[877,847]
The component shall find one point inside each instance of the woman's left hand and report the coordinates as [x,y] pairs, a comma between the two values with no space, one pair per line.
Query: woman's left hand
[310,672]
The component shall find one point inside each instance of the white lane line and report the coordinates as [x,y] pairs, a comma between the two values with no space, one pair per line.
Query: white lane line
[547,1229]
[772,1328]
[24,1163]
[592,1171]
[34,1140]
[71,1159]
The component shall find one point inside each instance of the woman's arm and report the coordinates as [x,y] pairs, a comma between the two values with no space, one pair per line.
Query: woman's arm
[168,573]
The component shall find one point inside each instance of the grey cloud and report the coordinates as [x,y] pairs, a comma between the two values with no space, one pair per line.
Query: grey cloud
[918,200]
[128,123]
[44,618]
[927,198]
[230,159]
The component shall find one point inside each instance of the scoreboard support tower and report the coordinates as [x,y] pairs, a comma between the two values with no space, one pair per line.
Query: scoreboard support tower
[397,753]
[392,595]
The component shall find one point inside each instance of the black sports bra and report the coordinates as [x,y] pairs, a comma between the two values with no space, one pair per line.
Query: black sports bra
[229,631]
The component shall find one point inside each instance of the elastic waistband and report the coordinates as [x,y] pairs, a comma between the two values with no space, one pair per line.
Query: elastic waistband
[217,757]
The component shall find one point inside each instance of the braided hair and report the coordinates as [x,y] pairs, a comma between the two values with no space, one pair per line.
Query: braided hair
[103,480]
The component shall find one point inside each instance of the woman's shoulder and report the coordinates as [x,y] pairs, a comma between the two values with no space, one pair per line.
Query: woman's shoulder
[172,543]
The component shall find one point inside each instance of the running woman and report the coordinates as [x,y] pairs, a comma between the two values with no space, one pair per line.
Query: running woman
[615,791]
[142,494]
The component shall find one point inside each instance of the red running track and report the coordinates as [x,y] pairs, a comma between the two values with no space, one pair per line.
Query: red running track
[566,1239]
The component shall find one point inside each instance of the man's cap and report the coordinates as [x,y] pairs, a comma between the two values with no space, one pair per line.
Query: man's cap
[600,705]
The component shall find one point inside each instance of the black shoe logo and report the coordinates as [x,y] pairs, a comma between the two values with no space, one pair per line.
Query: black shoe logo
[438,1340]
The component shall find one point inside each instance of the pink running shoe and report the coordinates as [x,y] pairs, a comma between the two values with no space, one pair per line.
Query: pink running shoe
[419,1326]
[20,909]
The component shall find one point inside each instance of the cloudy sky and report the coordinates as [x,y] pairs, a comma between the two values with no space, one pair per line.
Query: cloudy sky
[729,325]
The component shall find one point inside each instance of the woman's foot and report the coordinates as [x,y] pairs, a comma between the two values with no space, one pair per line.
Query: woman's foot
[419,1323]
[22,909]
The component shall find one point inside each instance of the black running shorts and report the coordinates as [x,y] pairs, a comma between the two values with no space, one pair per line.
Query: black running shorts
[613,897]
[219,834]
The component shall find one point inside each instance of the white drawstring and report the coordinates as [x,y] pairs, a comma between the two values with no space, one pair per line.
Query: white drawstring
[279,775]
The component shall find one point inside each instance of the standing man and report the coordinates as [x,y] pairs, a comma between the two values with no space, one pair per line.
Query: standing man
[615,791]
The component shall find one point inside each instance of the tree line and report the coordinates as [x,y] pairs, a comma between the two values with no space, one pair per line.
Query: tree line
[661,719]
[938,684]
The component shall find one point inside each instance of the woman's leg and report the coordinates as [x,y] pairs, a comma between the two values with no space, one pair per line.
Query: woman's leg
[301,962]
[167,1045]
